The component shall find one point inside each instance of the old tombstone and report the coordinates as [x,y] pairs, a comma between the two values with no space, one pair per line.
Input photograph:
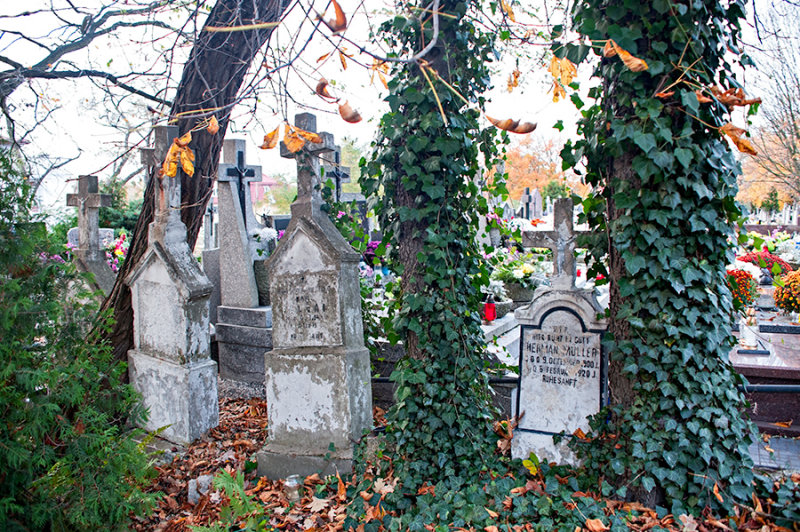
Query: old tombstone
[210,259]
[562,364]
[170,363]
[536,204]
[243,327]
[526,204]
[318,372]
[89,255]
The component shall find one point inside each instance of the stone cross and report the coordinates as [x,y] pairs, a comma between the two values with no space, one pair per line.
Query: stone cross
[339,174]
[561,240]
[168,189]
[89,200]
[239,174]
[309,197]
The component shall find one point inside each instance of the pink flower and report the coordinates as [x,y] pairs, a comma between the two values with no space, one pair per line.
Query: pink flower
[340,214]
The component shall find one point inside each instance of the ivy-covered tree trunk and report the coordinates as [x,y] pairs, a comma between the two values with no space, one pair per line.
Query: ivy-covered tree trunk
[666,182]
[429,205]
[212,78]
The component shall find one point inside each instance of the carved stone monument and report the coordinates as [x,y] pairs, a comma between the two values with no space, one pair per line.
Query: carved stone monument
[244,329]
[318,372]
[170,363]
[562,363]
[89,255]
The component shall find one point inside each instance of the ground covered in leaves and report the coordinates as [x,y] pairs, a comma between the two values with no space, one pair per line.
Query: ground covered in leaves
[322,506]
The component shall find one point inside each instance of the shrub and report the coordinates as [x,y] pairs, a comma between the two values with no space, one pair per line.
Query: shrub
[743,287]
[787,297]
[65,463]
[765,259]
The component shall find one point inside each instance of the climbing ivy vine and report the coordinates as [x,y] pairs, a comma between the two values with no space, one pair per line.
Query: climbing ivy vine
[424,167]
[665,182]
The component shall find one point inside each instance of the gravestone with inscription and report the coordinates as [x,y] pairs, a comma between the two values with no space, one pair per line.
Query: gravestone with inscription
[170,364]
[562,363]
[243,327]
[89,254]
[318,372]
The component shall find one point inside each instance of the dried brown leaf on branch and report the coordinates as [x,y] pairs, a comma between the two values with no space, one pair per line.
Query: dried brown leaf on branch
[514,126]
[213,125]
[735,134]
[179,153]
[322,90]
[513,80]
[349,114]
[506,7]
[339,22]
[294,142]
[563,72]
[629,60]
[270,139]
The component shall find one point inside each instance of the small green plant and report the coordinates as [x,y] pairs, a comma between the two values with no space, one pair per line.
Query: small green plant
[238,509]
[66,463]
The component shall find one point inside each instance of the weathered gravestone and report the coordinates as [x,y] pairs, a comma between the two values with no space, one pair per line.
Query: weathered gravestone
[244,329]
[562,364]
[170,364]
[318,373]
[89,255]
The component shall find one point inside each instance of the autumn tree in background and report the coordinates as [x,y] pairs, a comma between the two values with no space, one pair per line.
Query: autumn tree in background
[777,137]
[534,162]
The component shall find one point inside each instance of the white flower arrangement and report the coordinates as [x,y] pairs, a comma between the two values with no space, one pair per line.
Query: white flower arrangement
[262,241]
[788,250]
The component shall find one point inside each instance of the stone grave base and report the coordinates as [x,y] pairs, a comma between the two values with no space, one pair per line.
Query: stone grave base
[243,336]
[182,398]
[275,463]
[543,447]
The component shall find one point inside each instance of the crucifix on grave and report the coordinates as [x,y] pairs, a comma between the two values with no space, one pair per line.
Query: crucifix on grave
[309,196]
[235,171]
[338,173]
[561,240]
[236,224]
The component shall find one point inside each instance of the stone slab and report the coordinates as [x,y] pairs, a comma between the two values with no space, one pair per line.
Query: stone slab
[240,335]
[317,398]
[780,328]
[181,397]
[281,465]
[243,363]
[248,317]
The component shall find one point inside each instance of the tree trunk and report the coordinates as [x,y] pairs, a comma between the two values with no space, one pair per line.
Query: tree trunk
[212,78]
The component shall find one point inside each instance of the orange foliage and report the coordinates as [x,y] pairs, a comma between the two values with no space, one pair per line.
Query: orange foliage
[533,163]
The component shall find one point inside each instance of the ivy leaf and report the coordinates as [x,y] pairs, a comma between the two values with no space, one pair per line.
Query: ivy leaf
[646,141]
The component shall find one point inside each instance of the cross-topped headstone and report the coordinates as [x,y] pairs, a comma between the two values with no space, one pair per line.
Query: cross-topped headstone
[561,240]
[170,364]
[338,173]
[234,170]
[89,200]
[309,197]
